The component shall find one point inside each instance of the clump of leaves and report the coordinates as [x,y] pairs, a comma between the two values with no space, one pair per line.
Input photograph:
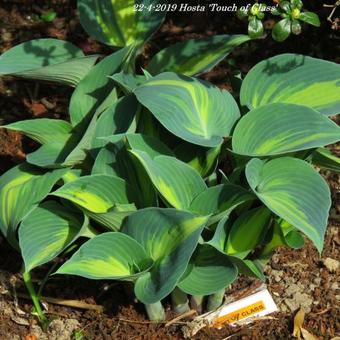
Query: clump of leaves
[174,189]
[292,16]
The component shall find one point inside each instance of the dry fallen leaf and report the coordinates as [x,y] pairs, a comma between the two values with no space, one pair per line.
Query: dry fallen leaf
[298,322]
[306,335]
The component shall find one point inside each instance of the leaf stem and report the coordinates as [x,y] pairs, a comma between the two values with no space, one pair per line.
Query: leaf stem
[35,298]
[155,311]
[196,302]
[180,302]
[215,300]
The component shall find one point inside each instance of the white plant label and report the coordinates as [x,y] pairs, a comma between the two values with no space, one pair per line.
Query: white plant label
[253,306]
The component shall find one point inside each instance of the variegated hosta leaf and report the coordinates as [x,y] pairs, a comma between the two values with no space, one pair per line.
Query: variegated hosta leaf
[106,162]
[96,193]
[71,175]
[169,237]
[120,22]
[108,256]
[195,56]
[115,160]
[87,132]
[248,231]
[21,189]
[177,182]
[282,236]
[191,109]
[46,232]
[294,79]
[51,155]
[203,160]
[114,217]
[281,128]
[248,267]
[115,120]
[238,238]
[325,159]
[220,200]
[293,190]
[152,146]
[43,130]
[95,91]
[47,59]
[219,242]
[128,81]
[208,272]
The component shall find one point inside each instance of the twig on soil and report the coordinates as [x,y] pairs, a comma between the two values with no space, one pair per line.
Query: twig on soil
[174,321]
[323,311]
[151,322]
[68,303]
[180,317]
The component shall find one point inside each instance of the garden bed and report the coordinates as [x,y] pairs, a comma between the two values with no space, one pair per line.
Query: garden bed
[295,278]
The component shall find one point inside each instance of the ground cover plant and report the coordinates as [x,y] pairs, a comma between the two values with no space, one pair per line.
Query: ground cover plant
[177,185]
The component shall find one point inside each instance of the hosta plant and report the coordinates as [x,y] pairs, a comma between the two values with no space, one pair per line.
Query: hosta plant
[162,179]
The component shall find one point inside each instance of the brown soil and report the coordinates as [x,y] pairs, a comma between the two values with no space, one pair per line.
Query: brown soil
[295,278]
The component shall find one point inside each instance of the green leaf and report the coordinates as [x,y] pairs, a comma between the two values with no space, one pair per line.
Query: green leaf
[21,189]
[48,16]
[248,230]
[191,109]
[285,5]
[248,267]
[220,237]
[128,81]
[296,27]
[294,79]
[96,193]
[88,133]
[195,56]
[219,242]
[176,181]
[282,30]
[116,160]
[108,256]
[89,96]
[169,237]
[293,190]
[203,160]
[114,218]
[152,146]
[46,232]
[51,60]
[83,147]
[219,201]
[50,155]
[43,130]
[310,18]
[208,272]
[104,163]
[283,234]
[119,22]
[278,128]
[326,159]
[297,4]
[255,28]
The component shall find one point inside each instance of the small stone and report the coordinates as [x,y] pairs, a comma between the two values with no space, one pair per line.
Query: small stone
[300,300]
[331,264]
[7,36]
[335,286]
[317,281]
